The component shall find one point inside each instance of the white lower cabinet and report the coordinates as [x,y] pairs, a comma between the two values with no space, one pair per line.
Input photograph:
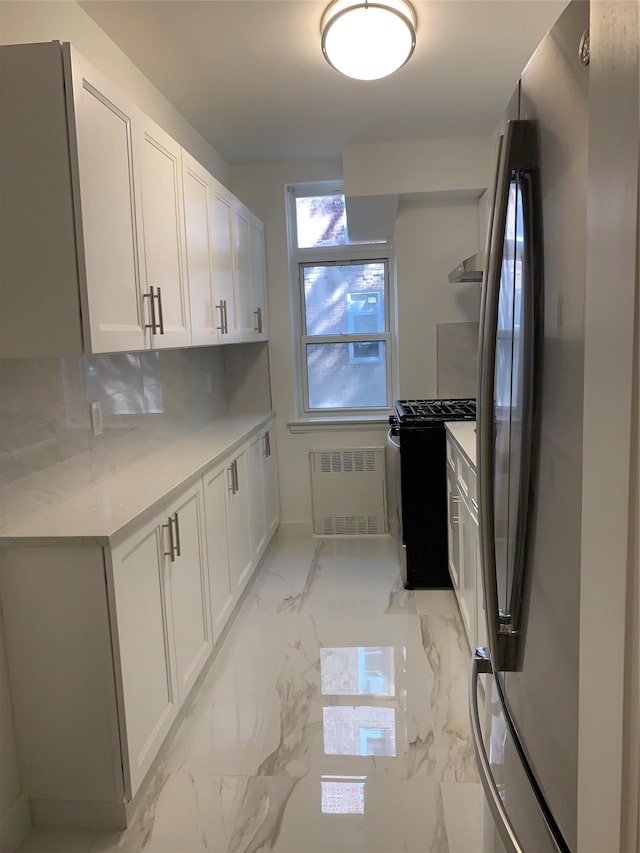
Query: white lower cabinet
[271,483]
[453,529]
[257,453]
[468,541]
[142,636]
[106,641]
[241,558]
[265,494]
[216,484]
[188,584]
[464,563]
[162,627]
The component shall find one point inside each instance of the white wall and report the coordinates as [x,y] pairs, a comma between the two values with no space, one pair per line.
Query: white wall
[431,238]
[261,186]
[418,166]
[37,21]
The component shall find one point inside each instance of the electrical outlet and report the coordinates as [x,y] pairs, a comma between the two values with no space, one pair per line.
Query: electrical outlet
[96,418]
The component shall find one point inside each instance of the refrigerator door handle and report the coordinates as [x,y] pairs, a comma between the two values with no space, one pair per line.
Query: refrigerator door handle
[481,664]
[517,152]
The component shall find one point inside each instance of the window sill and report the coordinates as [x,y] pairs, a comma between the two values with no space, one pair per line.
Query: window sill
[361,423]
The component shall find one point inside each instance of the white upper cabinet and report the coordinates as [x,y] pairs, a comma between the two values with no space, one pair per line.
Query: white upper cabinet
[205,322]
[162,216]
[113,238]
[244,290]
[250,274]
[258,279]
[222,257]
[209,252]
[111,265]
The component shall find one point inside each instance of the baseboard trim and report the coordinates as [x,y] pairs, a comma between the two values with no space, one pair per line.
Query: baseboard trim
[83,815]
[15,824]
[296,528]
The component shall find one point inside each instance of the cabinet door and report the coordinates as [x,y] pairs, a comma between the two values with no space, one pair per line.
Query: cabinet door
[187,570]
[205,318]
[109,231]
[257,458]
[222,259]
[243,262]
[162,213]
[453,528]
[271,485]
[239,524]
[469,540]
[258,280]
[148,688]
[216,483]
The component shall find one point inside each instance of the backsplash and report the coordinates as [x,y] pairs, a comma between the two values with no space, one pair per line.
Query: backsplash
[457,359]
[148,399]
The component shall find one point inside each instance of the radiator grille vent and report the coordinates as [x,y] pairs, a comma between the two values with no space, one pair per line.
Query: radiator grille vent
[351,525]
[347,461]
[348,491]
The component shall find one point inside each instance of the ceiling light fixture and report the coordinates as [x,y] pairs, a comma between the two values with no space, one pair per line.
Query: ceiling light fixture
[368,40]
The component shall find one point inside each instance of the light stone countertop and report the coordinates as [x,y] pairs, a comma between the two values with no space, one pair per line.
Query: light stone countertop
[464,435]
[107,507]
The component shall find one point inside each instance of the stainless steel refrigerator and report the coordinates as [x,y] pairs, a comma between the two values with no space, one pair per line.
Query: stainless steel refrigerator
[529,434]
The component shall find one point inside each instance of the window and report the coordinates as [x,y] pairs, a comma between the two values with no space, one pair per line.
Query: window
[342,309]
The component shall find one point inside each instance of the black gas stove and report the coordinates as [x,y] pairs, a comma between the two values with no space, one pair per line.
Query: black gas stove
[417,432]
[427,412]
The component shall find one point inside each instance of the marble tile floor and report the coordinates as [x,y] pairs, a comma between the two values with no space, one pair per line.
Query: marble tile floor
[333,718]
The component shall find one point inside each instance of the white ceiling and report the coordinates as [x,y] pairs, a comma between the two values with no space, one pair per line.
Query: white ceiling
[250,77]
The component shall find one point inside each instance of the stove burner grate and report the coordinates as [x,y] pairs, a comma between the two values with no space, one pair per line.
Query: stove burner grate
[435,410]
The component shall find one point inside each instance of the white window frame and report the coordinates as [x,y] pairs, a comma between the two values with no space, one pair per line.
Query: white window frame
[336,255]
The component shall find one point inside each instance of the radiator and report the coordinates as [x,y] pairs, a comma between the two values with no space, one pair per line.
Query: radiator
[348,491]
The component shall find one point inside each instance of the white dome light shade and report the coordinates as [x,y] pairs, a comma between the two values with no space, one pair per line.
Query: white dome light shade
[368,40]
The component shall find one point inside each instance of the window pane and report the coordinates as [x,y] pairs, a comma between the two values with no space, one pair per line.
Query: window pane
[347,376]
[321,221]
[344,299]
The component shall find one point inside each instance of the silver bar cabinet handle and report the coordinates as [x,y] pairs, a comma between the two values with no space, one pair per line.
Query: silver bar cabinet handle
[481,664]
[236,485]
[258,326]
[220,308]
[171,551]
[454,500]
[175,518]
[160,317]
[152,310]
[226,317]
[232,483]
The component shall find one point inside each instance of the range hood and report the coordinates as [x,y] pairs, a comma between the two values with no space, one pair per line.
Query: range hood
[471,269]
